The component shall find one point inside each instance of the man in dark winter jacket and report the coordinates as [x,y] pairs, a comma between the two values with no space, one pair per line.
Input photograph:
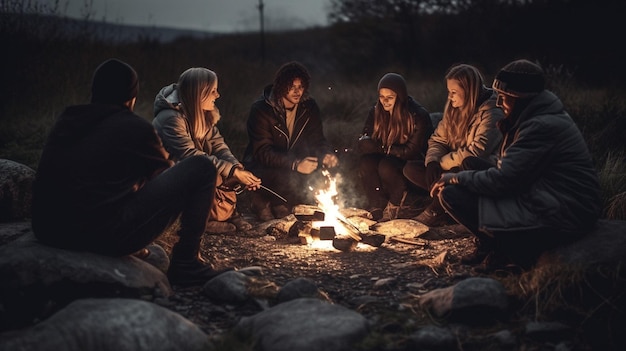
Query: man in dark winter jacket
[286,142]
[544,190]
[104,183]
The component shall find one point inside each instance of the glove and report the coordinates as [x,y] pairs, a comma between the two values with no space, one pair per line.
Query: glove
[307,165]
[433,173]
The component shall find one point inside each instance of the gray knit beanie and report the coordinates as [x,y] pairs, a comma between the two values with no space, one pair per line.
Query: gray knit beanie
[394,82]
[520,79]
[114,82]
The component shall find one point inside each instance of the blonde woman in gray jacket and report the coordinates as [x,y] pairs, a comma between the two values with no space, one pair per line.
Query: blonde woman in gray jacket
[468,128]
[185,117]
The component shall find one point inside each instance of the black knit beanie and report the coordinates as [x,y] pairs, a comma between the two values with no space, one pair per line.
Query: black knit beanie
[114,82]
[520,79]
[394,82]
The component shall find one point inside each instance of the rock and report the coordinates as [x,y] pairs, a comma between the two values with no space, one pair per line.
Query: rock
[110,324]
[297,288]
[16,183]
[36,280]
[304,324]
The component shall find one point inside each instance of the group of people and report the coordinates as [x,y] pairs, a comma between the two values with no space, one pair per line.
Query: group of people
[506,161]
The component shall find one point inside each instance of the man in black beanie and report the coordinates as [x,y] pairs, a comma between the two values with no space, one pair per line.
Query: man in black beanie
[544,190]
[104,183]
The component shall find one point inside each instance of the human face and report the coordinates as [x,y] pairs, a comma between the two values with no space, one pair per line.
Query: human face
[208,103]
[456,94]
[387,98]
[506,103]
[294,94]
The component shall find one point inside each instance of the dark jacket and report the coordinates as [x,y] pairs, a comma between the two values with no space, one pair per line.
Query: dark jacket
[173,129]
[270,145]
[545,177]
[95,157]
[414,148]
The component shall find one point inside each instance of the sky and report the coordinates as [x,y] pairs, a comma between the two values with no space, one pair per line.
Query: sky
[205,15]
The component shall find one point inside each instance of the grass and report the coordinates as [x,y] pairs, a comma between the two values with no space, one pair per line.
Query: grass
[48,71]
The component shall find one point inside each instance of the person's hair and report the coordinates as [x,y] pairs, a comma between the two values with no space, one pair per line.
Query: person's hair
[285,76]
[472,82]
[114,82]
[194,85]
[397,126]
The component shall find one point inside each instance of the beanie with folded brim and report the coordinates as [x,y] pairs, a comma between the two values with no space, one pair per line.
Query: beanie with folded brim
[520,79]
[114,82]
[395,82]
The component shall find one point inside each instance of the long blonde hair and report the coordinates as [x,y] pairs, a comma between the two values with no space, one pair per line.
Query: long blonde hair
[397,126]
[472,82]
[194,85]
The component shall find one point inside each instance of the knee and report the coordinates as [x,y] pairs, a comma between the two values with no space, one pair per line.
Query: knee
[201,165]
[367,165]
[388,169]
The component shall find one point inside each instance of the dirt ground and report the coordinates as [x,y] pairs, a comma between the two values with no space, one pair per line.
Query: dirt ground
[382,283]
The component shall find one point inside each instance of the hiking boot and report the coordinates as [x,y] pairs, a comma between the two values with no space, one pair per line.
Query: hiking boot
[280,211]
[192,272]
[433,216]
[216,227]
[483,248]
[239,222]
[390,212]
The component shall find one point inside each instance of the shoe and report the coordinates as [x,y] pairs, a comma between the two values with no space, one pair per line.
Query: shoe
[432,218]
[216,227]
[390,212]
[239,222]
[477,256]
[280,211]
[377,213]
[192,272]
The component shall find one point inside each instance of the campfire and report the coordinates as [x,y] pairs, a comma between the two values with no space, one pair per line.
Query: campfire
[327,227]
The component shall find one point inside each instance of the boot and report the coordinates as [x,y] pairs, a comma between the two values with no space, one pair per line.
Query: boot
[483,248]
[433,216]
[390,212]
[187,268]
[239,222]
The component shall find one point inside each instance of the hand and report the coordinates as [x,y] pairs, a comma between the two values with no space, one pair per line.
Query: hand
[246,178]
[330,161]
[307,165]
[433,172]
[445,179]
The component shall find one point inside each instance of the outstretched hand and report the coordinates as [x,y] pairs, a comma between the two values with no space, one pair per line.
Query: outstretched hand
[246,178]
[307,165]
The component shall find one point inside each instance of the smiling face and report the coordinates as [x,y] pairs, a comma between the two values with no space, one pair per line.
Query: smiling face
[456,94]
[294,94]
[387,98]
[208,102]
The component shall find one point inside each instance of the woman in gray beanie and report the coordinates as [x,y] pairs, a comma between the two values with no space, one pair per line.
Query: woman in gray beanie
[544,190]
[396,130]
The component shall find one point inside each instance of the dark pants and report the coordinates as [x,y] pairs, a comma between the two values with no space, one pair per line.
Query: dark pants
[185,190]
[520,246]
[382,179]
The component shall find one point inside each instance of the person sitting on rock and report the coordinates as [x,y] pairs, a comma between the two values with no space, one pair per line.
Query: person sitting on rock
[185,117]
[104,183]
[544,190]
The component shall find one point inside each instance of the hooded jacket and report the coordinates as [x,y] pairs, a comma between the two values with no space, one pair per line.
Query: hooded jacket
[271,146]
[95,157]
[482,138]
[545,177]
[175,132]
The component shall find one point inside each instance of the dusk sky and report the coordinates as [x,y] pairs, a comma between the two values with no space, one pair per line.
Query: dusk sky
[207,15]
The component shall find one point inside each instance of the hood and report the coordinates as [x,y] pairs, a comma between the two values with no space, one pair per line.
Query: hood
[166,99]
